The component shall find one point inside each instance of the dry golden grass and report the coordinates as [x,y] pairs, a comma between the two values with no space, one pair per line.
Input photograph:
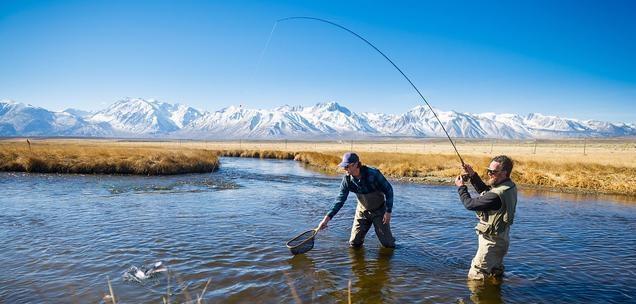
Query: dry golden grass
[596,166]
[569,176]
[257,154]
[601,166]
[91,158]
[320,161]
[439,168]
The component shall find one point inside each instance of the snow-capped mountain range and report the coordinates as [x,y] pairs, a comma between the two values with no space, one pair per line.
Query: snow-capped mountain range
[148,118]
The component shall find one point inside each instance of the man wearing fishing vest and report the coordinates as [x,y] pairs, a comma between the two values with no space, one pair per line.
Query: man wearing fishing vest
[495,208]
[375,201]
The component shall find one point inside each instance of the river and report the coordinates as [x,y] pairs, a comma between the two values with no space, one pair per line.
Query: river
[64,237]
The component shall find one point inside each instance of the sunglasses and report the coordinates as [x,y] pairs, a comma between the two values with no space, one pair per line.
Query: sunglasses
[492,172]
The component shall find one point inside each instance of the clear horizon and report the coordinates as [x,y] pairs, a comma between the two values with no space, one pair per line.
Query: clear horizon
[566,59]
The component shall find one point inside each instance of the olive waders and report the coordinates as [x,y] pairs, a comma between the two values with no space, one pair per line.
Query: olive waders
[370,210]
[493,232]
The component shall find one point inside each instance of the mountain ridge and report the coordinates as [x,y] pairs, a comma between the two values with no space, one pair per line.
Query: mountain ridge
[150,118]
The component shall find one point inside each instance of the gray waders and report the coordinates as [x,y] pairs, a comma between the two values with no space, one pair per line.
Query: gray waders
[370,211]
[488,261]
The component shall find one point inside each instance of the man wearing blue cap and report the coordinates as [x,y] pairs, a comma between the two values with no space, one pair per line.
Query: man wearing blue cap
[375,201]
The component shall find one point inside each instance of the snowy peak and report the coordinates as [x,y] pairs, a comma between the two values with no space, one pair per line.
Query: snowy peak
[141,116]
[18,119]
[138,117]
[78,113]
[539,121]
[183,115]
[288,108]
[331,107]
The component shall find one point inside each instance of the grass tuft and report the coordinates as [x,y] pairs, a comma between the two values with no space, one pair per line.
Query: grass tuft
[53,157]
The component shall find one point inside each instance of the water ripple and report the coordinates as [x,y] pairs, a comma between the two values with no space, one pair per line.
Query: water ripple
[64,236]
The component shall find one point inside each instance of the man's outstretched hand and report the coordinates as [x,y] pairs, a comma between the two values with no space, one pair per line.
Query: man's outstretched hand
[323,223]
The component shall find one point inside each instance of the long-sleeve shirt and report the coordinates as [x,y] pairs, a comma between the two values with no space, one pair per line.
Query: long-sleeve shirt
[371,180]
[487,202]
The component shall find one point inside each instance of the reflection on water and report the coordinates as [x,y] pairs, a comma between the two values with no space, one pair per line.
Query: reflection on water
[370,277]
[485,292]
[64,236]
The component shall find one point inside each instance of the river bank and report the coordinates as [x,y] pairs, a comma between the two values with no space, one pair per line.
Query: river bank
[91,158]
[608,167]
[549,175]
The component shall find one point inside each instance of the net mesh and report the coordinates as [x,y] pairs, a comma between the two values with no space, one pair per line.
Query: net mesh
[302,243]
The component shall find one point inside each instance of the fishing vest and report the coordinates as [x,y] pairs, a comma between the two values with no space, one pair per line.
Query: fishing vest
[495,221]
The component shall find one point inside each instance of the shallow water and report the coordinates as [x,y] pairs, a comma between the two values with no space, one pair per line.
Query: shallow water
[64,236]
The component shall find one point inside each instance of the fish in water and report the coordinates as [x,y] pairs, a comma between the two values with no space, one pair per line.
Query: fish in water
[144,272]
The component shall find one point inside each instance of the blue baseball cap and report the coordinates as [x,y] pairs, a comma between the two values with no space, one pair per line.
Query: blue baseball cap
[349,158]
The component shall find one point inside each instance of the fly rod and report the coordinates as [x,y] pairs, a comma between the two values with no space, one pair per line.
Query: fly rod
[387,58]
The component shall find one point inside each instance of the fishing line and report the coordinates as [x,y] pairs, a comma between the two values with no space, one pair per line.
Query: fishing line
[255,69]
[260,58]
[387,58]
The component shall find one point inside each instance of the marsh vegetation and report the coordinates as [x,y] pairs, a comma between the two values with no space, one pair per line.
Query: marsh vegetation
[600,166]
[94,157]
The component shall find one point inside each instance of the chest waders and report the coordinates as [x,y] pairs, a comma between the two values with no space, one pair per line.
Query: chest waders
[370,211]
[493,234]
[370,201]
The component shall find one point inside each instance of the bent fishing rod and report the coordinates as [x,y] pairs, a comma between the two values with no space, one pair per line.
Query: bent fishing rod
[387,58]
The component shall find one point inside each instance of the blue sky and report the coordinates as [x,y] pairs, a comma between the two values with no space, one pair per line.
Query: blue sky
[567,58]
